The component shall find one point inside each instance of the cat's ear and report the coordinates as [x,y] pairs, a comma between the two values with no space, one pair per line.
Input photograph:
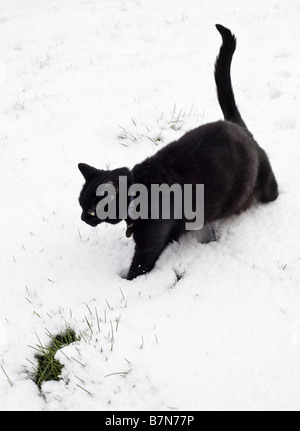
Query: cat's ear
[87,171]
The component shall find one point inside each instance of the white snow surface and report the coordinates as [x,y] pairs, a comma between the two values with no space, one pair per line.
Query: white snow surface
[102,82]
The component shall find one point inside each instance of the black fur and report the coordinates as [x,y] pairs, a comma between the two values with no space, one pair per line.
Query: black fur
[223,80]
[222,155]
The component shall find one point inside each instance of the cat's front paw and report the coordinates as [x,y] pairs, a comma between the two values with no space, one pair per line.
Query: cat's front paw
[136,272]
[124,274]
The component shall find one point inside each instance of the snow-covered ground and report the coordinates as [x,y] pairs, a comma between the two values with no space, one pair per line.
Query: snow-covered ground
[102,82]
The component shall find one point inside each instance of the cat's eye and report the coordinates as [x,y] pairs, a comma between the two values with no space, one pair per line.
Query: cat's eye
[91,213]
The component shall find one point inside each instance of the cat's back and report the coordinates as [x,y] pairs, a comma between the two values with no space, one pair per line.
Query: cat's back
[211,143]
[210,149]
[223,156]
[217,136]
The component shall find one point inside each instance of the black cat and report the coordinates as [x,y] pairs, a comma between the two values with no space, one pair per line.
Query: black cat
[223,156]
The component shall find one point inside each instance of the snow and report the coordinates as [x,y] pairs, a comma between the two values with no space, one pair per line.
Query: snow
[226,335]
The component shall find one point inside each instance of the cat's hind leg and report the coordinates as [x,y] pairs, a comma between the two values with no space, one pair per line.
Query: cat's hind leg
[208,233]
[266,184]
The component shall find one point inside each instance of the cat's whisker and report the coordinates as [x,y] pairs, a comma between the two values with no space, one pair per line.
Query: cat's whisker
[96,233]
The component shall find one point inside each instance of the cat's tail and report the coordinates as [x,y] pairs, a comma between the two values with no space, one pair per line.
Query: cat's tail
[223,79]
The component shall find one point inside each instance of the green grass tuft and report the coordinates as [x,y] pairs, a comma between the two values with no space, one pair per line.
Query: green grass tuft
[48,367]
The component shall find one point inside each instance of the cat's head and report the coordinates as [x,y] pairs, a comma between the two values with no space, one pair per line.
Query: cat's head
[88,198]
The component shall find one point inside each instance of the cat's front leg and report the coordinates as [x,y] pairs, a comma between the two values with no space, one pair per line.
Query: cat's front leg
[151,240]
[141,264]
